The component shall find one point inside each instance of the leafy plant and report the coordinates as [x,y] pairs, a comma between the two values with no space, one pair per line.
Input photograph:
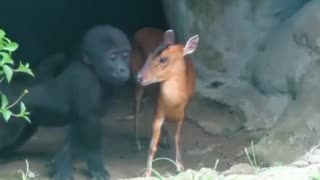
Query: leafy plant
[7,70]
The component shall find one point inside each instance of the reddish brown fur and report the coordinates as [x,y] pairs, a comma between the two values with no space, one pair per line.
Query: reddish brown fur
[177,84]
[144,42]
[177,89]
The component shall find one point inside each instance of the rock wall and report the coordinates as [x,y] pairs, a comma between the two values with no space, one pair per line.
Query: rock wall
[293,60]
[259,57]
[231,31]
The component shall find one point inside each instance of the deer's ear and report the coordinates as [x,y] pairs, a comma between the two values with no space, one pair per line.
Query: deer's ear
[169,37]
[191,45]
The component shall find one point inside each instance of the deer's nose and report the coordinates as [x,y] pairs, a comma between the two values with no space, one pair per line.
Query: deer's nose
[139,78]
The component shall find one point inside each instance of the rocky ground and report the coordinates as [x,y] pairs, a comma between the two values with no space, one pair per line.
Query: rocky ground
[305,168]
[200,148]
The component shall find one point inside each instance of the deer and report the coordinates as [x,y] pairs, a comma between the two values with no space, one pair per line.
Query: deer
[169,66]
[145,40]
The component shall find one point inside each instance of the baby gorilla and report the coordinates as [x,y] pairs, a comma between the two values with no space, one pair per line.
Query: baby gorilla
[79,97]
[89,85]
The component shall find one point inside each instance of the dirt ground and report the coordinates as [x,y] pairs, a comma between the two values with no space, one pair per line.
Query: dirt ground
[122,160]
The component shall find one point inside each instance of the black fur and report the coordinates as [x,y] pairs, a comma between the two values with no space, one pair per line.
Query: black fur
[79,97]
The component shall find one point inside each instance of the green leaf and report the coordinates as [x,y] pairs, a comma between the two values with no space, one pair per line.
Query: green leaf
[25,69]
[6,59]
[22,107]
[4,55]
[8,72]
[9,60]
[4,101]
[6,40]
[6,114]
[12,46]
[2,33]
[27,119]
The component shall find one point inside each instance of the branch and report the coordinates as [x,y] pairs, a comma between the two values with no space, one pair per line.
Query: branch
[16,102]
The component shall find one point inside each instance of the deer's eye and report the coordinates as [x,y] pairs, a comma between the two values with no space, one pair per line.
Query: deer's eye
[163,59]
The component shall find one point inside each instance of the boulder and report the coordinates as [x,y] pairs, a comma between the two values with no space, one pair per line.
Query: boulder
[298,127]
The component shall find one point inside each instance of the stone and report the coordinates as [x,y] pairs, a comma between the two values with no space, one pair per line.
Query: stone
[298,127]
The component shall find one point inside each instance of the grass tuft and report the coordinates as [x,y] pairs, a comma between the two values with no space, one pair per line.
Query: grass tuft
[252,160]
[27,175]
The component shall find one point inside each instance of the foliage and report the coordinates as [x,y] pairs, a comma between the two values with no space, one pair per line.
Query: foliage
[7,70]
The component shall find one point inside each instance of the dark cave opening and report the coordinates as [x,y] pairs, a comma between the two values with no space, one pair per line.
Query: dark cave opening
[45,27]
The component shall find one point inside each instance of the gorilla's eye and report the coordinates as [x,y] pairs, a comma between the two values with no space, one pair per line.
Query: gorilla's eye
[113,56]
[163,59]
[125,54]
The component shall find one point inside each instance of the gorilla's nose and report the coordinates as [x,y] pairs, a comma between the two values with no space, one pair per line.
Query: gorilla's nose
[122,70]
